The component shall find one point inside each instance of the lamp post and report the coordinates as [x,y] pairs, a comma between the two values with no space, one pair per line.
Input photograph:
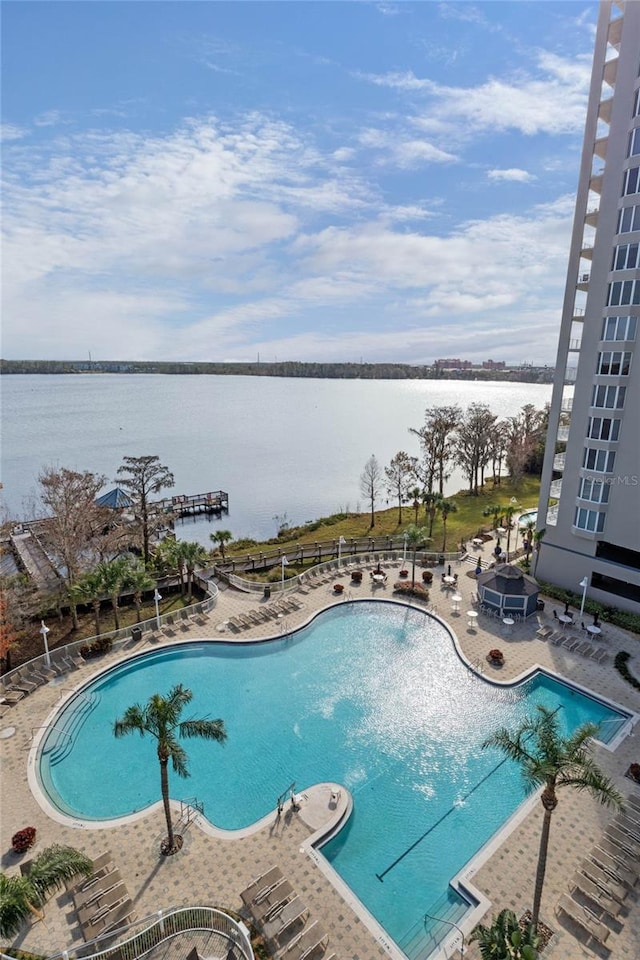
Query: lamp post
[157,596]
[285,563]
[584,583]
[341,543]
[404,552]
[44,630]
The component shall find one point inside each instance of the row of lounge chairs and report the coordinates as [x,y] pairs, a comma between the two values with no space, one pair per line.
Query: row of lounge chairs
[26,679]
[102,901]
[572,643]
[600,887]
[283,919]
[252,618]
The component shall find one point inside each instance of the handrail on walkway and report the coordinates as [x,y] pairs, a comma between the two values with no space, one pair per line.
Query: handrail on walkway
[162,926]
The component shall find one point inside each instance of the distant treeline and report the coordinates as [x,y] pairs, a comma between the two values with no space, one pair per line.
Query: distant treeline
[292,368]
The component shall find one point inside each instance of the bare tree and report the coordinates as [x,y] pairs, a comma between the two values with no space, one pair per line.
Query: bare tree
[142,477]
[75,523]
[371,484]
[473,444]
[399,475]
[437,443]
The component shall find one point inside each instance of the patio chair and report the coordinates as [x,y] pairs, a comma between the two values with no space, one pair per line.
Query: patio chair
[614,868]
[597,930]
[283,924]
[262,906]
[101,865]
[101,902]
[623,840]
[570,643]
[97,888]
[615,888]
[628,825]
[261,882]
[544,633]
[114,917]
[306,943]
[603,901]
[623,856]
[12,695]
[599,655]
[633,801]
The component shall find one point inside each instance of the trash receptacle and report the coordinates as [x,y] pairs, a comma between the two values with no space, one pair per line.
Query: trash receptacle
[136,634]
[540,605]
[267,591]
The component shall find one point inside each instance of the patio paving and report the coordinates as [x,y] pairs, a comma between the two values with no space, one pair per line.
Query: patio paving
[213,870]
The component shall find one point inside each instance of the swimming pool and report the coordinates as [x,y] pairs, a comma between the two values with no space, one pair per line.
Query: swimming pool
[371,695]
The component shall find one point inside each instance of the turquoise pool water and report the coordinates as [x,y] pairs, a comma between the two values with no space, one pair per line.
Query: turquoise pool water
[371,695]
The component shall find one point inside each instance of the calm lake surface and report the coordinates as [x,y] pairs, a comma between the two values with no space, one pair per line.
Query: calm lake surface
[282,448]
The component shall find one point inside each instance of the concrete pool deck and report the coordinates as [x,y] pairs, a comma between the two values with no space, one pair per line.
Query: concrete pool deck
[214,870]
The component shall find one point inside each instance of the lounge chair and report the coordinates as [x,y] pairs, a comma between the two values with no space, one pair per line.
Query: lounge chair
[628,825]
[97,888]
[13,695]
[613,868]
[604,903]
[584,918]
[600,655]
[116,916]
[626,857]
[616,888]
[101,902]
[623,840]
[633,801]
[306,943]
[571,643]
[260,883]
[264,905]
[544,632]
[283,922]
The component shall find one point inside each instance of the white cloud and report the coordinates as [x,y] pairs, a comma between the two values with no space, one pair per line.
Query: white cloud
[10,131]
[512,173]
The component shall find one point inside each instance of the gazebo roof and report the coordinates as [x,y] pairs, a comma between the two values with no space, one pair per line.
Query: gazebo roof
[117,499]
[508,580]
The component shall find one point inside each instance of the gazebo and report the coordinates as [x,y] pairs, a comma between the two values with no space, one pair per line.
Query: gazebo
[116,499]
[506,589]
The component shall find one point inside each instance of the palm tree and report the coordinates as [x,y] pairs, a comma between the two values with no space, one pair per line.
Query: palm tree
[160,717]
[139,581]
[221,537]
[114,576]
[550,761]
[24,896]
[89,589]
[432,503]
[446,507]
[508,522]
[415,537]
[495,510]
[538,538]
[530,529]
[414,494]
[505,940]
[193,555]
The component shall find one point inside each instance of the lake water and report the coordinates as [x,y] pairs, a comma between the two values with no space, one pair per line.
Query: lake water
[288,448]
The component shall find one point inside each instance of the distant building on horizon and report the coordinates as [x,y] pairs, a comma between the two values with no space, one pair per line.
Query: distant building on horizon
[590,493]
[493,365]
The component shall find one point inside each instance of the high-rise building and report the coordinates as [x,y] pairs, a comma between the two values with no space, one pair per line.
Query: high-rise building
[590,496]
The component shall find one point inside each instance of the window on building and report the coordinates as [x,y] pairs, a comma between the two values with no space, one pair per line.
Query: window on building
[593,490]
[631,182]
[603,428]
[636,104]
[634,143]
[623,293]
[619,328]
[629,219]
[591,520]
[600,461]
[615,363]
[625,257]
[609,398]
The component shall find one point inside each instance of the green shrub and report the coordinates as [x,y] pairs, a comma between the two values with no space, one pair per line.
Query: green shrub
[406,589]
[619,618]
[620,663]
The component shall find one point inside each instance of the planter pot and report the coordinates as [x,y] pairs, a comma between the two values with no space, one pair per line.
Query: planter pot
[403,574]
[634,772]
[338,587]
[356,576]
[427,576]
[23,839]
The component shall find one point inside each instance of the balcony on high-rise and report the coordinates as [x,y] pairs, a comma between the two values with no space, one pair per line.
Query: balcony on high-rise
[583,281]
[600,147]
[558,462]
[610,72]
[563,433]
[555,489]
[591,217]
[604,110]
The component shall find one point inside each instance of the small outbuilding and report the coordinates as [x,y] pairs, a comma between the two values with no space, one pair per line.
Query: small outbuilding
[116,499]
[508,590]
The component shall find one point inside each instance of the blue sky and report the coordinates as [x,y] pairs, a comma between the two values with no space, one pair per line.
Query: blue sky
[303,180]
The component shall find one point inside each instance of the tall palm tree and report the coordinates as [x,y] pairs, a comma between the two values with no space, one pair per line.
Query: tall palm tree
[193,555]
[531,530]
[139,581]
[414,494]
[114,576]
[432,503]
[537,539]
[221,537]
[508,522]
[89,589]
[495,510]
[416,536]
[446,507]
[551,761]
[24,896]
[160,718]
[170,551]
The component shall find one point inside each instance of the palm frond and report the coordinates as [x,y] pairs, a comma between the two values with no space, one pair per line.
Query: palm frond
[15,895]
[207,729]
[132,721]
[54,865]
[179,761]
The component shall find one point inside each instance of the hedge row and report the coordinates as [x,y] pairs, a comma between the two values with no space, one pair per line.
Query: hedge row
[620,663]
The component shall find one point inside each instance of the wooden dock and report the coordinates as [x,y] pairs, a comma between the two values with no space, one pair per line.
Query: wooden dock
[214,502]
